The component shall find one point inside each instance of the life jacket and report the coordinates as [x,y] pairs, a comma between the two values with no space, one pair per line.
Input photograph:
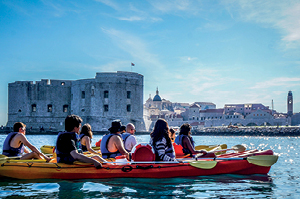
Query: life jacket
[103,147]
[83,147]
[63,156]
[10,151]
[169,151]
[179,140]
[124,137]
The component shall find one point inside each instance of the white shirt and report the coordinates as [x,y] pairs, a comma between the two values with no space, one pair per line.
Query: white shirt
[130,142]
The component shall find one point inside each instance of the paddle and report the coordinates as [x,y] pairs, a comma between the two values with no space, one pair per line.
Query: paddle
[4,158]
[210,147]
[238,148]
[260,160]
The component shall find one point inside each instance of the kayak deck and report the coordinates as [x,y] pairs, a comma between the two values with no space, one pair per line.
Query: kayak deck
[227,165]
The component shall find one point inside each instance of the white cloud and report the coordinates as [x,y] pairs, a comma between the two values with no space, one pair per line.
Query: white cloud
[282,81]
[167,6]
[139,52]
[110,3]
[282,15]
[132,18]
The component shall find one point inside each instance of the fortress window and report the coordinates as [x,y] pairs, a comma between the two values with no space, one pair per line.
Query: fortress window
[105,94]
[49,108]
[93,90]
[105,108]
[19,110]
[82,94]
[33,107]
[65,108]
[62,83]
[128,108]
[128,94]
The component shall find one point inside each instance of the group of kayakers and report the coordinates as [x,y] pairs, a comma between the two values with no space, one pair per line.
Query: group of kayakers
[119,141]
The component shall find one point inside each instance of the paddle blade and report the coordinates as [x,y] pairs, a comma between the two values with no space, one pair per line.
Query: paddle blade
[239,148]
[204,164]
[263,160]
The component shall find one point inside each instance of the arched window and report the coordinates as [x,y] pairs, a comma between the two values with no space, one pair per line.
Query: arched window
[65,108]
[92,90]
[82,94]
[33,107]
[49,108]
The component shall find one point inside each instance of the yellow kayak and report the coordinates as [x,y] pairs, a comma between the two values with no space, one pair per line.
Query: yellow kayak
[47,149]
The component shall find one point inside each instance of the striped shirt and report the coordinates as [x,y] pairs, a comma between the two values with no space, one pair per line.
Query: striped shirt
[162,149]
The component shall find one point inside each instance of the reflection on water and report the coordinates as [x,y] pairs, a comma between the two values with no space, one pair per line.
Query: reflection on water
[225,186]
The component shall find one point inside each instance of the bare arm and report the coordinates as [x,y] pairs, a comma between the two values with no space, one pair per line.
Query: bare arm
[187,143]
[24,140]
[83,158]
[87,141]
[120,146]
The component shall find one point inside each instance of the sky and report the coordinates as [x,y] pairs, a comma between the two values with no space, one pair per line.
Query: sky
[224,52]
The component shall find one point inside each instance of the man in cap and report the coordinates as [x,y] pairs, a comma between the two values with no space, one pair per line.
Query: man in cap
[112,144]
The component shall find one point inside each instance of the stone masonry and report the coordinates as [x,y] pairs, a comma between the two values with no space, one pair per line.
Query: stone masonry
[98,101]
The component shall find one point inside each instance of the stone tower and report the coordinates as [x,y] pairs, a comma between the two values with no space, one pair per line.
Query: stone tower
[98,101]
[290,104]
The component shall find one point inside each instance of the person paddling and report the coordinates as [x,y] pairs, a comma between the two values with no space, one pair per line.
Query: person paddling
[68,144]
[186,141]
[15,142]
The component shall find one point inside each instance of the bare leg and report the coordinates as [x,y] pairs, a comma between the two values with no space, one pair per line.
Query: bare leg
[32,155]
[98,158]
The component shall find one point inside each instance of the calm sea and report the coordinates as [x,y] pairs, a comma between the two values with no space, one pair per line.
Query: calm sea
[281,182]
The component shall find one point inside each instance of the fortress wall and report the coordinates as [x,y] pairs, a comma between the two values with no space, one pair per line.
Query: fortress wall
[24,94]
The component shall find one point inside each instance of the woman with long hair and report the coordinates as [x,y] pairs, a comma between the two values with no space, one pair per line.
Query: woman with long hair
[161,142]
[186,141]
[86,136]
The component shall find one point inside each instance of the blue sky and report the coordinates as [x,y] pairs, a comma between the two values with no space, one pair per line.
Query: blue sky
[210,51]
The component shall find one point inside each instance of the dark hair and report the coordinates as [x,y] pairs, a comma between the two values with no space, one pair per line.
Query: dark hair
[123,128]
[161,129]
[172,131]
[18,125]
[185,129]
[71,122]
[87,130]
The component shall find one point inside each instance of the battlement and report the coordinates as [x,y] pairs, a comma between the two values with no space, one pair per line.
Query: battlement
[43,82]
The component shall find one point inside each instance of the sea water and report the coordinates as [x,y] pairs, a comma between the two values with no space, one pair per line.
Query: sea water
[281,182]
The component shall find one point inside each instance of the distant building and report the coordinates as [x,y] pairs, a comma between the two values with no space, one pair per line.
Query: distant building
[290,104]
[206,105]
[245,109]
[98,101]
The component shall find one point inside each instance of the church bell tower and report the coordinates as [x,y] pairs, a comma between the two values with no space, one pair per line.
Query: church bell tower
[290,104]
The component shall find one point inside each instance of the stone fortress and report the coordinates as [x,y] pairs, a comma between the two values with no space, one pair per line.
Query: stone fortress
[100,100]
[119,95]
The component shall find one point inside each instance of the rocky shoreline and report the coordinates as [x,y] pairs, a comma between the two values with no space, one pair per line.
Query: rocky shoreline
[249,131]
[210,131]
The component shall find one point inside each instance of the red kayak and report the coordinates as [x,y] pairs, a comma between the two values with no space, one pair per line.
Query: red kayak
[247,162]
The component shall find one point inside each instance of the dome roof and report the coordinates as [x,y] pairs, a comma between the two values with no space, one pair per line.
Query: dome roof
[157,97]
